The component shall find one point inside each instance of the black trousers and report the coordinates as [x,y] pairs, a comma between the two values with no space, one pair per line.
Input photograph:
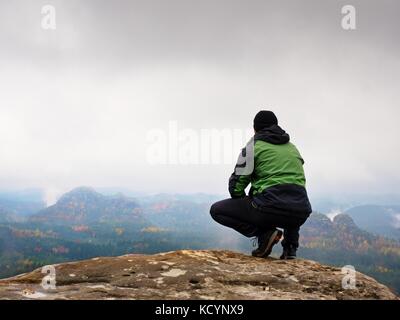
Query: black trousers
[242,216]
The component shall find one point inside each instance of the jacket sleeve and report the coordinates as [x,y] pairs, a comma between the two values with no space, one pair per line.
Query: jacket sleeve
[238,183]
[299,155]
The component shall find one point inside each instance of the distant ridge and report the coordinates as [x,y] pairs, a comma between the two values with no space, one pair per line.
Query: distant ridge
[86,205]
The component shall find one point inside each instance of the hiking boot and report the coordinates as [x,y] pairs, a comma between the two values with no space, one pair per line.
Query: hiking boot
[265,243]
[288,253]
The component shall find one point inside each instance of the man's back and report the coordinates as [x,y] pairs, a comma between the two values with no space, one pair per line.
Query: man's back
[278,180]
[276,164]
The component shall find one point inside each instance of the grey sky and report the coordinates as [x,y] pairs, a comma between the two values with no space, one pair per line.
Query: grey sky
[76,103]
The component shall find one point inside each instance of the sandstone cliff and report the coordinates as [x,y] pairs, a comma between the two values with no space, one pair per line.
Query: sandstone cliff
[191,274]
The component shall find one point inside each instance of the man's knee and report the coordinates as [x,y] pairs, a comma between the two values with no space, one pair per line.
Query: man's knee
[217,210]
[214,210]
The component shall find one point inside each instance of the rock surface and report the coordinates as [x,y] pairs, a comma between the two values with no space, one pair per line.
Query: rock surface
[191,274]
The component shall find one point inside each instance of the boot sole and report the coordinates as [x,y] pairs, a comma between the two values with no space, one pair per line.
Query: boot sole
[274,239]
[288,258]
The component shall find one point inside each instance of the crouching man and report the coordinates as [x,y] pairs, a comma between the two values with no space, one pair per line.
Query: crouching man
[277,197]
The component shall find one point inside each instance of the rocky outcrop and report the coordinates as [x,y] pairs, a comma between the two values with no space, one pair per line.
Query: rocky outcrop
[191,274]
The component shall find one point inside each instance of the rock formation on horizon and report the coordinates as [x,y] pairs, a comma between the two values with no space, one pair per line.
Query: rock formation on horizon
[190,274]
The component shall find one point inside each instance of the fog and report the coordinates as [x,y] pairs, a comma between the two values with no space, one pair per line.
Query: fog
[77,103]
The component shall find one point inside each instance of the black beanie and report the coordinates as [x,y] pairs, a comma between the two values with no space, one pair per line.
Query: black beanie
[264,119]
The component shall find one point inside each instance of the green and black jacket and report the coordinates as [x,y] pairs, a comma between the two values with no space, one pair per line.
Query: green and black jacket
[277,181]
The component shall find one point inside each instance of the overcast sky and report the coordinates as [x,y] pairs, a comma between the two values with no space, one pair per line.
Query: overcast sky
[77,103]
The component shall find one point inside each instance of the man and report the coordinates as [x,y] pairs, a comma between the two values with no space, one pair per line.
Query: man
[277,197]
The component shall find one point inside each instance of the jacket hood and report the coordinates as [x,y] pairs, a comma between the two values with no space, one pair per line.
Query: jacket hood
[273,134]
